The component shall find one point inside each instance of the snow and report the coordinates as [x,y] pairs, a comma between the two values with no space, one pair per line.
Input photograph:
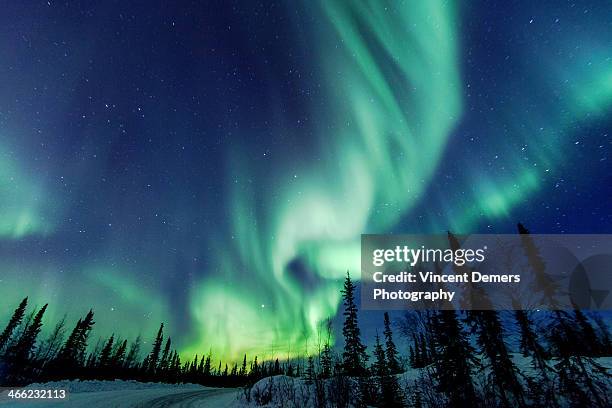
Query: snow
[278,391]
[283,391]
[104,394]
[270,392]
[76,386]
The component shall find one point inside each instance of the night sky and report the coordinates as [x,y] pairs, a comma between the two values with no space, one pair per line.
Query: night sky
[212,164]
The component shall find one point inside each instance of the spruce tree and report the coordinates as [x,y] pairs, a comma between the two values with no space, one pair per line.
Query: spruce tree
[289,370]
[506,388]
[51,345]
[543,282]
[412,357]
[354,355]
[540,385]
[589,342]
[604,335]
[85,329]
[425,358]
[193,367]
[389,391]
[19,354]
[119,355]
[154,355]
[206,368]
[529,344]
[131,360]
[104,361]
[13,323]
[176,367]
[582,381]
[454,360]
[72,355]
[504,375]
[418,357]
[326,361]
[309,373]
[391,351]
[417,402]
[163,363]
[243,368]
[92,358]
[380,367]
[201,366]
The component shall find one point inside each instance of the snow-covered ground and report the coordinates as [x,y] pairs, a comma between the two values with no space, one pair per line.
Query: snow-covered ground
[106,394]
[269,392]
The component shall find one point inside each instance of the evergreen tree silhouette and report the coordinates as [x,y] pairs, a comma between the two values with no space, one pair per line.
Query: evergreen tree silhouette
[19,354]
[118,357]
[391,351]
[490,338]
[51,345]
[163,363]
[72,355]
[326,361]
[309,373]
[504,374]
[201,366]
[13,323]
[206,368]
[604,334]
[417,401]
[243,368]
[131,360]
[418,356]
[92,358]
[540,387]
[425,358]
[176,366]
[389,392]
[529,344]
[154,355]
[589,342]
[581,379]
[354,355]
[543,282]
[289,371]
[454,360]
[104,361]
[412,357]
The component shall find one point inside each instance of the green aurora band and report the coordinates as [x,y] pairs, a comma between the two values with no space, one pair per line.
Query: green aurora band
[22,205]
[394,90]
[391,97]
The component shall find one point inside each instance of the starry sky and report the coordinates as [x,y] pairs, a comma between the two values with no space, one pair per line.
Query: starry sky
[213,164]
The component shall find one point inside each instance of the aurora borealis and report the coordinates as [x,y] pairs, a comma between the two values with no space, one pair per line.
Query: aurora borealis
[213,166]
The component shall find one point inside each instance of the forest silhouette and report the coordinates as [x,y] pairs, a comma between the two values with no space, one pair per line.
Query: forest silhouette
[463,358]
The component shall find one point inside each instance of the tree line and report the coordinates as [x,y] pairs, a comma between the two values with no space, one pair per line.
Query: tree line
[462,358]
[25,358]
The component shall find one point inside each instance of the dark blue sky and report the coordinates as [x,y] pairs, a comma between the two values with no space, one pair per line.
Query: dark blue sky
[175,161]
